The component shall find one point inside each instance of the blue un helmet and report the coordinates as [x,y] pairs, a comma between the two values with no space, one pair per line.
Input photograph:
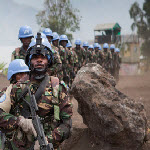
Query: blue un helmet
[55,36]
[69,44]
[39,46]
[105,45]
[91,46]
[25,32]
[16,66]
[99,48]
[85,44]
[117,50]
[112,46]
[63,38]
[78,42]
[96,45]
[48,32]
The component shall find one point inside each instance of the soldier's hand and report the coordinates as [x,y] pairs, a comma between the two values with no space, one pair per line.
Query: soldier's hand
[27,125]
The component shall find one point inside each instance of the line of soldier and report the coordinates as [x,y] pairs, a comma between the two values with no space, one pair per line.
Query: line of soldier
[30,69]
[45,58]
[68,60]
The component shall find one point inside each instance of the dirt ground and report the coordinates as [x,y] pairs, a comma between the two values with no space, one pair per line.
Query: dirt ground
[136,87]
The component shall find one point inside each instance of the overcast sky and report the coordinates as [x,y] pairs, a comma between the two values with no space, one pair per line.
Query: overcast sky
[15,13]
[96,12]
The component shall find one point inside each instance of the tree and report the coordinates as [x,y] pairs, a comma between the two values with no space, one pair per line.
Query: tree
[141,18]
[59,16]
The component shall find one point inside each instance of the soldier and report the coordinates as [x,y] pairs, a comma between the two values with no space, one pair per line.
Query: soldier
[85,46]
[80,53]
[96,54]
[72,60]
[118,61]
[101,55]
[48,33]
[17,71]
[64,57]
[25,36]
[56,69]
[107,57]
[90,53]
[54,107]
[113,60]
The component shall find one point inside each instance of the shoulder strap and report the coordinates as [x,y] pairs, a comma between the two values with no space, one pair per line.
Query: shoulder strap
[41,88]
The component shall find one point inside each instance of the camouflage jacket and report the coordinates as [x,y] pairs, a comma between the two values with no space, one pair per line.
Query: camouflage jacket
[63,52]
[97,57]
[56,68]
[117,61]
[54,107]
[113,60]
[107,59]
[89,56]
[72,57]
[18,53]
[80,53]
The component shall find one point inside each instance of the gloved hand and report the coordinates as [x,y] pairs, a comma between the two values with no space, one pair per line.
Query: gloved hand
[27,125]
[37,145]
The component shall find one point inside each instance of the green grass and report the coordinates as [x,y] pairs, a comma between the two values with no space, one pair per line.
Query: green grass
[5,71]
[2,65]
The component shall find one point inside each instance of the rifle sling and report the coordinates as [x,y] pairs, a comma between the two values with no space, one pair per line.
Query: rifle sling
[39,91]
[41,88]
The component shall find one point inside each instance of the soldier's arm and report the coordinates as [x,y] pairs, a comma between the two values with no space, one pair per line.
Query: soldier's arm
[60,133]
[8,122]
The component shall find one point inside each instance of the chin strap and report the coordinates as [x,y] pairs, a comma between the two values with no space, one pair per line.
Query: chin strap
[39,74]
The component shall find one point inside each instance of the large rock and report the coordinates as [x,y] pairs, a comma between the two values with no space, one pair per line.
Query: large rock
[111,116]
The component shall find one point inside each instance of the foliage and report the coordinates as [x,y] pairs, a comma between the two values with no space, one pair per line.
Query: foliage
[2,65]
[141,22]
[59,16]
[5,71]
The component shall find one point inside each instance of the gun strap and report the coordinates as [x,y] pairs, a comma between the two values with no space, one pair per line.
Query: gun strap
[41,88]
[39,91]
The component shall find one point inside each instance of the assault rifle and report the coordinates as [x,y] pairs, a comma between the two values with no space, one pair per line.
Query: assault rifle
[37,123]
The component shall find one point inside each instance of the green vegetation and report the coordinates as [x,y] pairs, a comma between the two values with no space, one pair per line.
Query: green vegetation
[59,16]
[141,22]
[2,67]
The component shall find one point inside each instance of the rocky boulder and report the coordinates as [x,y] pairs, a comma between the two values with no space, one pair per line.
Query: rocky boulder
[111,117]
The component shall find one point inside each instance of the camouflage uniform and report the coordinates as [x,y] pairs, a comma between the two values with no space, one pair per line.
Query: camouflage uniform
[81,56]
[72,60]
[113,64]
[63,52]
[89,57]
[56,69]
[86,55]
[107,61]
[18,53]
[117,66]
[97,57]
[54,108]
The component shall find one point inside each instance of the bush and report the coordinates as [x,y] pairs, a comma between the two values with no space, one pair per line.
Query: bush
[2,65]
